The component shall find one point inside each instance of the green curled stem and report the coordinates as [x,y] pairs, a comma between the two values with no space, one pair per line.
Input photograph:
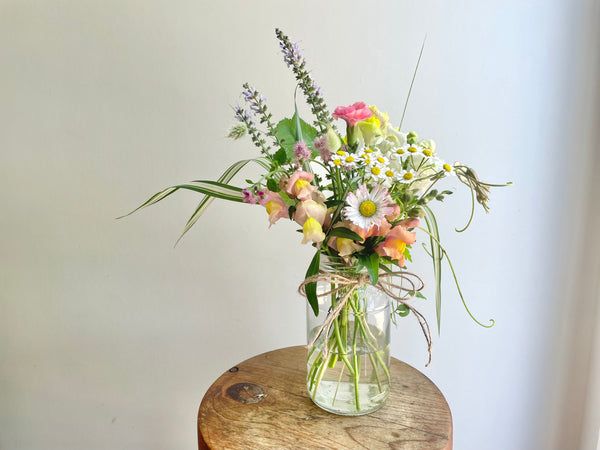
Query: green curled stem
[445,253]
[472,210]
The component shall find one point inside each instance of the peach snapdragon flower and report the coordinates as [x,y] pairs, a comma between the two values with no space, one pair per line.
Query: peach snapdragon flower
[396,240]
[298,186]
[275,206]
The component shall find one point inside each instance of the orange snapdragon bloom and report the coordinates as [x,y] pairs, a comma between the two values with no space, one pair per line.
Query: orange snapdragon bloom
[396,240]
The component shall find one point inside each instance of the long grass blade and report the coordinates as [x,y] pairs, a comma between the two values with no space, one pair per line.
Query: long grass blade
[224,178]
[206,187]
[436,257]
[412,82]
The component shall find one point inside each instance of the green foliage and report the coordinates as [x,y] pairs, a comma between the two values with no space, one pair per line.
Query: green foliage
[286,133]
[311,288]
[371,263]
[272,185]
[344,233]
[281,157]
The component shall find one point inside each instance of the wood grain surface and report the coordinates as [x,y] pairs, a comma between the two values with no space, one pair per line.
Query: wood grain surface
[262,403]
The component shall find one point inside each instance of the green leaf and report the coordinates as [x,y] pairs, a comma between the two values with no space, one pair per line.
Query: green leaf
[286,132]
[281,156]
[345,233]
[311,288]
[402,310]
[309,133]
[286,199]
[436,257]
[334,202]
[286,136]
[372,264]
[272,185]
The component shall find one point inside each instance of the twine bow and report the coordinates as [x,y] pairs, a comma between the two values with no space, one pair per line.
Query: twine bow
[385,284]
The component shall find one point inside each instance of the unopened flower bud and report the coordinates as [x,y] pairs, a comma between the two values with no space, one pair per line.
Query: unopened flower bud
[412,137]
[332,140]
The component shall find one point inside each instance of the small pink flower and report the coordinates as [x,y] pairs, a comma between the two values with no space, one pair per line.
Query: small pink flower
[301,150]
[321,146]
[298,186]
[248,197]
[353,114]
[275,206]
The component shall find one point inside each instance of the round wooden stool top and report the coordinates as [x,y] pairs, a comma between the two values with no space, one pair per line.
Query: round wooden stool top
[262,403]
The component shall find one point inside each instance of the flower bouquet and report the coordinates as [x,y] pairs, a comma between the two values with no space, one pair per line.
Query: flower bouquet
[359,198]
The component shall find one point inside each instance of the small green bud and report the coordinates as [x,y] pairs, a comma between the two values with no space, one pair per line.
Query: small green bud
[332,140]
[412,137]
[415,212]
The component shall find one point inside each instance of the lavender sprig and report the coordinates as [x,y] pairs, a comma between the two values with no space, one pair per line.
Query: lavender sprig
[243,116]
[258,105]
[294,60]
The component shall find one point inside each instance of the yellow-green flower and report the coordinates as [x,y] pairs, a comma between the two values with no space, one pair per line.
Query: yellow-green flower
[370,130]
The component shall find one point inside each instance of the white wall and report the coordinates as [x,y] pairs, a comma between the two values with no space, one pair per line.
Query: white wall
[109,337]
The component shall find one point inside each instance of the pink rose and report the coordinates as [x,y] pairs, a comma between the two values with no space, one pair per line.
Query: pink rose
[298,186]
[353,114]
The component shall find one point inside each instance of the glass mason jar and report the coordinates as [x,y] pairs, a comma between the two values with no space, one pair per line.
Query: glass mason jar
[350,375]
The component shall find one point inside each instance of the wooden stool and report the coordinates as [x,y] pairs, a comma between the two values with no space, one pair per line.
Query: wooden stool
[262,403]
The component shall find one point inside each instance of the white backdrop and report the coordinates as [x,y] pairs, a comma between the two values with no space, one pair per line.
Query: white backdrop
[109,336]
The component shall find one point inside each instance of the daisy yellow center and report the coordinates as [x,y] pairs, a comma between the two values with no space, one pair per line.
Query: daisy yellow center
[375,170]
[412,149]
[407,176]
[337,162]
[400,151]
[427,152]
[380,159]
[350,159]
[389,173]
[367,208]
[341,152]
[368,150]
[447,168]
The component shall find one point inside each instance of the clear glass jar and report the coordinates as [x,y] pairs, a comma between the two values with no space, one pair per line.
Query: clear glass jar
[352,376]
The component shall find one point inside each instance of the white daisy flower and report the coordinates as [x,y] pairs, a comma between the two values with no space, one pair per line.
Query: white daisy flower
[442,166]
[336,161]
[426,153]
[380,160]
[399,153]
[448,170]
[364,156]
[374,173]
[350,161]
[406,176]
[367,209]
[412,150]
[390,176]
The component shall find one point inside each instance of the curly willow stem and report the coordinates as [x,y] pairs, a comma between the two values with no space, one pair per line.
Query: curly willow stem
[445,253]
[472,210]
